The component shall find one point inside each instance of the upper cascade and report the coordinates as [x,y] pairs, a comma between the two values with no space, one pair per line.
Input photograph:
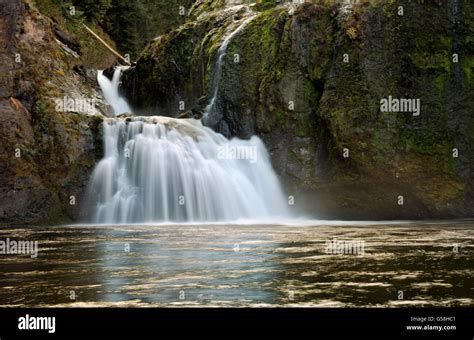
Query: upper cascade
[110,89]
[211,117]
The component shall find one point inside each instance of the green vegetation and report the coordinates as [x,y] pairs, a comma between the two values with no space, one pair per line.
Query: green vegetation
[94,10]
[70,20]
[263,5]
[132,24]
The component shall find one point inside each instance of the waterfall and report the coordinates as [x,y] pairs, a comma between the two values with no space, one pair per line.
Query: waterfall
[110,89]
[166,169]
[221,53]
[160,169]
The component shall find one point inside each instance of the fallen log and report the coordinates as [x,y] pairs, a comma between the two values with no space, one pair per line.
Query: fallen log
[127,62]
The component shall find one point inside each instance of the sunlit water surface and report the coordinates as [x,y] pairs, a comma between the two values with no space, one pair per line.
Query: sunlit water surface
[241,265]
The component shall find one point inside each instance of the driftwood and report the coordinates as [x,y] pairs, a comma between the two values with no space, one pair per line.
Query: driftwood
[128,63]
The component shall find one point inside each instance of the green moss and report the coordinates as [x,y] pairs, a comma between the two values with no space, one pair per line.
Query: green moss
[467,68]
[213,41]
[40,106]
[263,5]
[265,32]
[382,144]
[281,116]
[304,127]
[426,142]
[206,6]
[435,61]
[31,153]
[441,81]
[311,95]
[340,121]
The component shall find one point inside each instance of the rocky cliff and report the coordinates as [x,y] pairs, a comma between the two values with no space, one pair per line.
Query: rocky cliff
[310,80]
[46,151]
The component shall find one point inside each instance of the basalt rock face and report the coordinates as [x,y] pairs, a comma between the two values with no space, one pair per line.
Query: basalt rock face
[309,81]
[404,52]
[46,154]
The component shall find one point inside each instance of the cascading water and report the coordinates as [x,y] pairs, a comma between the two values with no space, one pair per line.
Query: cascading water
[110,89]
[164,169]
[209,116]
[159,169]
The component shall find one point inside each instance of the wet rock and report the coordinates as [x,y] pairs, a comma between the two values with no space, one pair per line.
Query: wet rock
[195,113]
[125,115]
[186,115]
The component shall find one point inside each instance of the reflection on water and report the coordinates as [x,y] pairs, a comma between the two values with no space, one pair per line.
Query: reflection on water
[241,265]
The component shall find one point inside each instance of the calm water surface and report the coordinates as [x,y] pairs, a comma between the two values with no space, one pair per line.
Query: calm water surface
[241,265]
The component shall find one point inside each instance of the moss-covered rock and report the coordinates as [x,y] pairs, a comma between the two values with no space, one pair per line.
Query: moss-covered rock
[46,154]
[405,56]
